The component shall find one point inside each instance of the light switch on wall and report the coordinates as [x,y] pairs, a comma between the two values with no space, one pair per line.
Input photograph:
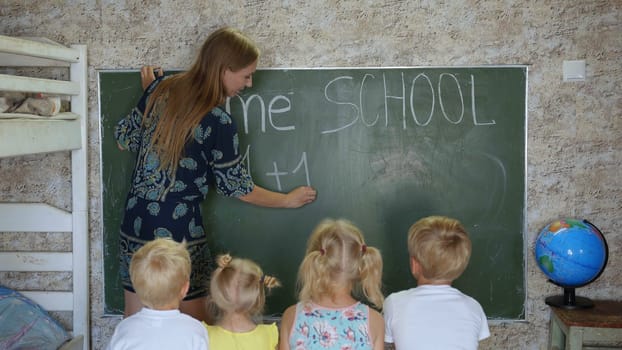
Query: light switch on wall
[574,70]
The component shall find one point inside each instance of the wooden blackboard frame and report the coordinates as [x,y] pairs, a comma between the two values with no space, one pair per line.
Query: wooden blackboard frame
[447,145]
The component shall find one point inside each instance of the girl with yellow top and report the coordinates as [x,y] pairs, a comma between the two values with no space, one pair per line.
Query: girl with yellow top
[237,298]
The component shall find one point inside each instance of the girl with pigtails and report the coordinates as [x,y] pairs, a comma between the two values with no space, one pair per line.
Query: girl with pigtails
[338,270]
[237,298]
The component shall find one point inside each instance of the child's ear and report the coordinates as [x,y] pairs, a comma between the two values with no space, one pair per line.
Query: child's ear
[415,268]
[184,289]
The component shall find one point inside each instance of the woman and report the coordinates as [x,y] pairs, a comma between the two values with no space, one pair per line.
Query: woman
[186,141]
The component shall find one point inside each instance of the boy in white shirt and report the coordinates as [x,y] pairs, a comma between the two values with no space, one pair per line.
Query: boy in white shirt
[434,315]
[160,274]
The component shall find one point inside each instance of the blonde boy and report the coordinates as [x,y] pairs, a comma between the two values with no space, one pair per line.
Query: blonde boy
[160,274]
[434,315]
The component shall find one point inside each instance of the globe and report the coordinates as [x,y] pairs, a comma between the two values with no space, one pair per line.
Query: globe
[571,253]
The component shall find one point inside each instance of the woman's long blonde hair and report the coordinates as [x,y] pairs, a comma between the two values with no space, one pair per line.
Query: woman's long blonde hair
[337,255]
[187,97]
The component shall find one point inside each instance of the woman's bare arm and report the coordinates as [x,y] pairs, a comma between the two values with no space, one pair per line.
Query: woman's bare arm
[295,199]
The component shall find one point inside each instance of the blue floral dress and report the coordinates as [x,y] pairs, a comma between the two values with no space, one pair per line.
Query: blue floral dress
[161,204]
[320,328]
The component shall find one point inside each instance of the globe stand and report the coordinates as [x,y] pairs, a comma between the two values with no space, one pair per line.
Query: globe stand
[569,300]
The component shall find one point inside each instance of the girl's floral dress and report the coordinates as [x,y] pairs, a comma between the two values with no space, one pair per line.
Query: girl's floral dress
[317,327]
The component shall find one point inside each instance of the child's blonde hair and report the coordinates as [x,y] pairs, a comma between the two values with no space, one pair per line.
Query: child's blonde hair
[441,246]
[159,270]
[238,285]
[337,254]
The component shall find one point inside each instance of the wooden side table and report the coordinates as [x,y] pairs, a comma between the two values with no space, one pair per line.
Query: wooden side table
[599,327]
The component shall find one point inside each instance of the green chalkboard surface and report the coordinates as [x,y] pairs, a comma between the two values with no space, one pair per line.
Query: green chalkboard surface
[383,147]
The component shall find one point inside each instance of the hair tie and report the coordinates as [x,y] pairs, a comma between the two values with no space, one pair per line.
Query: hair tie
[224,260]
[322,251]
[269,281]
[364,248]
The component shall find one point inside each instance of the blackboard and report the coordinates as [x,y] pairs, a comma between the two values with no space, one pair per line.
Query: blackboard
[383,147]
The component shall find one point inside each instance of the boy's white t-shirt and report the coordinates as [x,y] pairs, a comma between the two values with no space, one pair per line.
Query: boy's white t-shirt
[434,317]
[159,329]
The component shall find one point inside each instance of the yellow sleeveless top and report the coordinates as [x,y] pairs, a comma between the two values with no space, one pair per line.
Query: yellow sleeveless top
[263,337]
